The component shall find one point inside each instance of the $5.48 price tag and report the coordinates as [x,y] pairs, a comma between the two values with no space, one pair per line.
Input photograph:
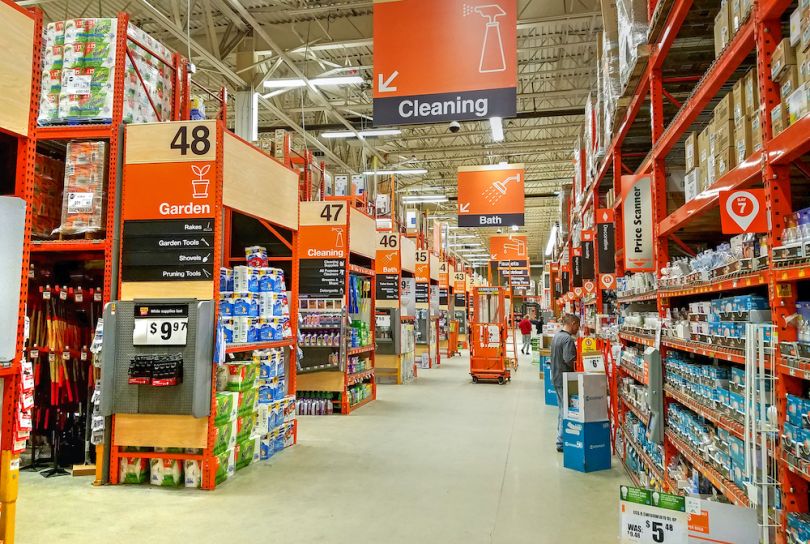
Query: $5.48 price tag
[650,517]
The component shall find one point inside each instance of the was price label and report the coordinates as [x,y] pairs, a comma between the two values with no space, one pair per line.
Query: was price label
[160,325]
[650,517]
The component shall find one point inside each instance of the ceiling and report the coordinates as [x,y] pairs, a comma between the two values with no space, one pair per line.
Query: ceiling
[309,38]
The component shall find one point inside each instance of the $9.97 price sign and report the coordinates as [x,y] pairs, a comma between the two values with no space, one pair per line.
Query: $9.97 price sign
[160,325]
[651,517]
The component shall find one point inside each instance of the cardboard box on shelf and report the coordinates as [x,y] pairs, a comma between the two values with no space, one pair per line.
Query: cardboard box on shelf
[790,82]
[724,135]
[722,29]
[738,97]
[742,139]
[783,56]
[756,132]
[779,118]
[703,145]
[724,162]
[704,175]
[739,12]
[796,27]
[692,151]
[725,108]
[692,184]
[751,91]
[585,396]
[797,104]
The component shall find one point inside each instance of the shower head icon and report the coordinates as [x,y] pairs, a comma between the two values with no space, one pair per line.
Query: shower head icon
[500,186]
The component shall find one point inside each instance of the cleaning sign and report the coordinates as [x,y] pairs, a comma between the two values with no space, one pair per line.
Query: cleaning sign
[454,60]
[491,196]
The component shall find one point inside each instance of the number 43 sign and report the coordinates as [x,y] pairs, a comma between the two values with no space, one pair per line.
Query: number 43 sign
[651,517]
[743,211]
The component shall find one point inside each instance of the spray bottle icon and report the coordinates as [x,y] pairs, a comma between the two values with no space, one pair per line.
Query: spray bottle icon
[492,57]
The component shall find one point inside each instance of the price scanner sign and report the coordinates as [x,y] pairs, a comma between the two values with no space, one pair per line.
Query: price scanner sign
[160,325]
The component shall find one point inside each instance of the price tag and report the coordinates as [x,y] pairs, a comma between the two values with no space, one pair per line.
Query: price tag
[83,356]
[80,202]
[73,83]
[66,356]
[78,297]
[97,296]
[46,295]
[651,517]
[34,354]
[62,295]
[160,325]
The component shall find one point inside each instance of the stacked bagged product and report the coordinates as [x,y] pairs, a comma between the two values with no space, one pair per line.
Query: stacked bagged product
[796,431]
[79,69]
[158,472]
[743,253]
[719,322]
[632,19]
[46,208]
[253,301]
[276,409]
[83,194]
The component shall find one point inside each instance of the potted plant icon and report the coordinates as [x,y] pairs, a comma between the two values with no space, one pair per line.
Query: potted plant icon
[200,184]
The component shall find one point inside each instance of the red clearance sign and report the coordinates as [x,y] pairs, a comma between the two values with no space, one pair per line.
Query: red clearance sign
[491,196]
[449,60]
[743,211]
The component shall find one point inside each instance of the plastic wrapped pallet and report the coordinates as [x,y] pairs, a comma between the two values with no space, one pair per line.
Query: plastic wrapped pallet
[610,87]
[632,17]
[83,197]
[53,44]
[152,79]
[88,70]
[46,208]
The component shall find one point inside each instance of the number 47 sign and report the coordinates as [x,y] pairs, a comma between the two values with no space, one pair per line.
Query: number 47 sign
[651,517]
[743,211]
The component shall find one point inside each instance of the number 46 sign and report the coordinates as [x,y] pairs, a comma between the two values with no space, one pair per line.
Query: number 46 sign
[651,517]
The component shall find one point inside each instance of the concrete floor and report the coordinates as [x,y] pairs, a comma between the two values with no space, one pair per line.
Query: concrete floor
[440,460]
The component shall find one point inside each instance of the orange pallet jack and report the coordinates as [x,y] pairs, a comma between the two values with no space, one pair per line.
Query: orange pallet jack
[488,345]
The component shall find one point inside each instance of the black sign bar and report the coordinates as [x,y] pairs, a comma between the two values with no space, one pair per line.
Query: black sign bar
[160,310]
[162,227]
[588,261]
[565,281]
[168,257]
[387,287]
[513,264]
[459,301]
[606,247]
[325,278]
[422,293]
[576,271]
[442,296]
[203,272]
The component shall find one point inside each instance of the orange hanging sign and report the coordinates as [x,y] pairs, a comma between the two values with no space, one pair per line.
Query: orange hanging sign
[743,211]
[191,195]
[491,196]
[422,269]
[514,247]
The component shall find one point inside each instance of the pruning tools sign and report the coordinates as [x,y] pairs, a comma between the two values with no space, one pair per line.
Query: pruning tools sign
[491,196]
[435,62]
[638,223]
[743,211]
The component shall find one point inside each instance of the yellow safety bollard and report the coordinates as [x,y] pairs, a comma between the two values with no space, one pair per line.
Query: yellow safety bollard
[9,484]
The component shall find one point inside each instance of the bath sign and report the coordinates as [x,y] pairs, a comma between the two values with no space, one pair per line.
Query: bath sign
[491,196]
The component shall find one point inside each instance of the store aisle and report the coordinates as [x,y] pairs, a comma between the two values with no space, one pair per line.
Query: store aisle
[441,460]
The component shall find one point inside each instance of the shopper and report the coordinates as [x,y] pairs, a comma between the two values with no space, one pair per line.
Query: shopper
[525,327]
[563,359]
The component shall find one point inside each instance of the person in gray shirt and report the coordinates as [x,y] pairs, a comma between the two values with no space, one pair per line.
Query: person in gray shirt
[563,359]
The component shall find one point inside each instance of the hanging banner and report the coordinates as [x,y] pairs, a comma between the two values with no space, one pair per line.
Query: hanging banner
[491,196]
[576,269]
[565,280]
[606,241]
[637,207]
[509,247]
[444,275]
[422,276]
[387,267]
[651,517]
[437,62]
[459,282]
[588,264]
[743,211]
[608,281]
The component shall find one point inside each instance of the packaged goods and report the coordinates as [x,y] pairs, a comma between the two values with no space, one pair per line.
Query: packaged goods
[46,209]
[83,196]
[155,80]
[133,470]
[632,18]
[166,472]
[192,474]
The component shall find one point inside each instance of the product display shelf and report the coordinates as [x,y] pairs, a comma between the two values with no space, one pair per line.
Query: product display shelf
[645,458]
[19,96]
[718,418]
[242,348]
[642,297]
[641,414]
[795,466]
[347,237]
[699,348]
[633,373]
[734,494]
[249,198]
[644,339]
[745,281]
[791,273]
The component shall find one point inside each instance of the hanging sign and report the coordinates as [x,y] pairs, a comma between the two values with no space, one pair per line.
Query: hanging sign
[459,282]
[576,269]
[651,517]
[444,275]
[743,211]
[565,278]
[608,281]
[638,223]
[387,266]
[590,286]
[491,196]
[509,247]
[323,241]
[578,292]
[437,62]
[606,241]
[588,264]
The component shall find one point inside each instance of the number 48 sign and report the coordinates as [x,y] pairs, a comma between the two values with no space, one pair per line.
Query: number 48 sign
[651,517]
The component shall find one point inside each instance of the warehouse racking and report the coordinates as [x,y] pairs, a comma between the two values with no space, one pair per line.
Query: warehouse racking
[671,91]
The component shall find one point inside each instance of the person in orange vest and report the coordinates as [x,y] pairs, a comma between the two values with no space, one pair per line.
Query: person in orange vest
[525,327]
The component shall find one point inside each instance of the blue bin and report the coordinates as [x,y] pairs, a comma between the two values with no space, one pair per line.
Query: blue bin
[586,446]
[550,392]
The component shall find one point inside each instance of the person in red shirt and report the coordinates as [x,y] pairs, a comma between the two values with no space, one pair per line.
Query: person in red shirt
[525,327]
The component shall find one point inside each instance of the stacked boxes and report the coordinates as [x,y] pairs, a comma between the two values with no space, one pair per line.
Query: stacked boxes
[46,209]
[632,19]
[728,21]
[586,429]
[722,139]
[83,196]
[796,432]
[692,180]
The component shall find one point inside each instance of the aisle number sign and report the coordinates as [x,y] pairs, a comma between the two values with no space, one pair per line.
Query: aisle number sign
[422,269]
[459,282]
[453,60]
[444,275]
[652,517]
[491,196]
[638,223]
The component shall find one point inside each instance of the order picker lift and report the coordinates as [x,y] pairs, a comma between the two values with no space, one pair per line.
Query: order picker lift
[488,346]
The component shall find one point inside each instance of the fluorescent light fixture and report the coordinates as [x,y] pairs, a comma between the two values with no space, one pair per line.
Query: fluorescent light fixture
[362,133]
[515,228]
[464,236]
[496,125]
[315,82]
[424,199]
[552,239]
[402,172]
